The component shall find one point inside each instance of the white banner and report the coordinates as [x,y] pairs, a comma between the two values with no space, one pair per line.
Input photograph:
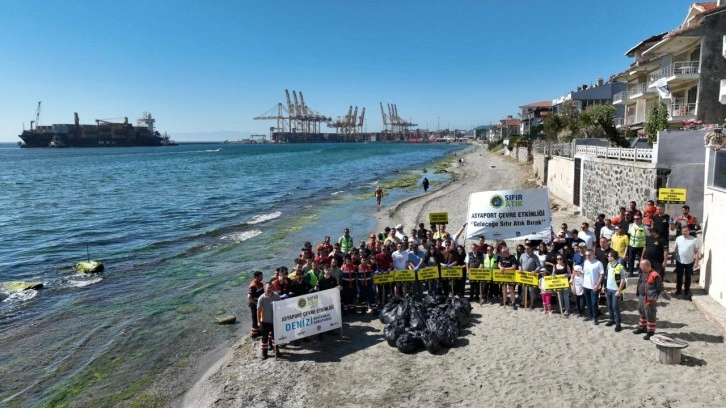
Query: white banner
[509,214]
[307,315]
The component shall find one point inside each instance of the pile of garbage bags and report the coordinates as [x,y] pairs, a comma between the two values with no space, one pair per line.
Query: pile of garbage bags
[430,323]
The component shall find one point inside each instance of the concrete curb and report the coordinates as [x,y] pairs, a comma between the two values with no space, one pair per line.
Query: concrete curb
[713,310]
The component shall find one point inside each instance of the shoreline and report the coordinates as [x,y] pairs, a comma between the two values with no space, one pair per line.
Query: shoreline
[505,358]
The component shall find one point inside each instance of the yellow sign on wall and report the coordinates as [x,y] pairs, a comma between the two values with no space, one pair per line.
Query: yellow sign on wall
[672,195]
[439,218]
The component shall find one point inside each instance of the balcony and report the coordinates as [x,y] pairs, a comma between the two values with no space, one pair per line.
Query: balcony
[631,120]
[618,122]
[675,73]
[680,110]
[619,97]
[639,91]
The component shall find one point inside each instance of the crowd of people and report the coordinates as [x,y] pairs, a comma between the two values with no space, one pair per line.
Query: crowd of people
[596,262]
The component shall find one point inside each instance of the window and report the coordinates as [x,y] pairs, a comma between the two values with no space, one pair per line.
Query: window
[717,173]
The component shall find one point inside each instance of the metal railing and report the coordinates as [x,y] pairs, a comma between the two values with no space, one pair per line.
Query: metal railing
[618,121]
[638,90]
[620,96]
[677,68]
[553,149]
[682,109]
[633,119]
[617,153]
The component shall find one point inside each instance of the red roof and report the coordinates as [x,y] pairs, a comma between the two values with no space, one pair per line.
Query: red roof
[707,6]
[512,122]
[540,104]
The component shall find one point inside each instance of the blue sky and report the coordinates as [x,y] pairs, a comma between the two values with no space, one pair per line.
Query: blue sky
[207,66]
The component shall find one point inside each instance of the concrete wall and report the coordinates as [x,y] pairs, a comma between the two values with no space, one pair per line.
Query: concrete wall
[539,166]
[713,264]
[560,177]
[713,68]
[522,154]
[682,153]
[609,184]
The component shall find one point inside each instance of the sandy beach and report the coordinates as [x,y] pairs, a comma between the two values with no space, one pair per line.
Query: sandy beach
[505,358]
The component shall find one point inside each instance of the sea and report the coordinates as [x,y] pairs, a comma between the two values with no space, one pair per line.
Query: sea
[180,230]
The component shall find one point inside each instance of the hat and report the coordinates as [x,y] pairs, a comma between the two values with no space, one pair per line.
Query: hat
[578,268]
[399,226]
[372,235]
[582,244]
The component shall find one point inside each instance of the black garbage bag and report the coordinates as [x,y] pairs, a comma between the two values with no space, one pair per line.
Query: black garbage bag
[462,303]
[408,342]
[402,312]
[450,334]
[458,314]
[429,301]
[417,320]
[430,342]
[388,313]
[392,332]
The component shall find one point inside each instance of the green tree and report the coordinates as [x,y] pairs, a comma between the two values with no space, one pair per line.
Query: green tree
[553,125]
[597,122]
[657,121]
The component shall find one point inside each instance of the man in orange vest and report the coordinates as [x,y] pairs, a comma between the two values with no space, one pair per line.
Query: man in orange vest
[650,286]
[256,289]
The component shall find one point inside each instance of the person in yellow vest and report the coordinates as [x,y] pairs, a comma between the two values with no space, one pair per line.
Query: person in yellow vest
[614,286]
[637,232]
[490,262]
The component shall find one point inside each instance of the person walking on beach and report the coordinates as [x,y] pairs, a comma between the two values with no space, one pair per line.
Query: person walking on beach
[425,184]
[265,317]
[379,195]
[650,286]
[255,290]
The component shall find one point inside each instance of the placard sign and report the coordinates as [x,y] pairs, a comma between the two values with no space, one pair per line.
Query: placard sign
[480,274]
[556,282]
[429,273]
[306,315]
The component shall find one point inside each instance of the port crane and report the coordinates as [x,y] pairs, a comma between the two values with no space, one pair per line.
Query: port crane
[37,117]
[297,116]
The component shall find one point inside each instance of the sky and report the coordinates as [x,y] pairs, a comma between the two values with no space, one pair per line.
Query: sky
[206,68]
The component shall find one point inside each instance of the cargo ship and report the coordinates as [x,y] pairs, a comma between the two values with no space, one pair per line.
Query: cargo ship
[103,134]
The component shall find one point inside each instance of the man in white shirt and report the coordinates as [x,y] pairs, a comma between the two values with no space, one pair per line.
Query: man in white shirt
[587,236]
[607,230]
[593,273]
[687,252]
[399,232]
[400,258]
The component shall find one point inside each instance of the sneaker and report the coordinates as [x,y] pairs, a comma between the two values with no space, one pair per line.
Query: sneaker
[587,319]
[687,296]
[678,293]
[277,351]
[648,335]
[639,330]
[618,328]
[596,322]
[263,356]
[514,306]
[608,324]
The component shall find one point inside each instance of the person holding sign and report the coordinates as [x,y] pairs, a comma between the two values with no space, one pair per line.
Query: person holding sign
[529,262]
[563,269]
[416,260]
[546,297]
[474,261]
[433,259]
[507,262]
[265,317]
[490,262]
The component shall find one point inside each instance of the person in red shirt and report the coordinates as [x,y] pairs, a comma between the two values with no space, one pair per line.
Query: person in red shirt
[324,248]
[255,290]
[618,218]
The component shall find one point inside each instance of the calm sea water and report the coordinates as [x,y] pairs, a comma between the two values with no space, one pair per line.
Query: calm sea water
[180,230]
